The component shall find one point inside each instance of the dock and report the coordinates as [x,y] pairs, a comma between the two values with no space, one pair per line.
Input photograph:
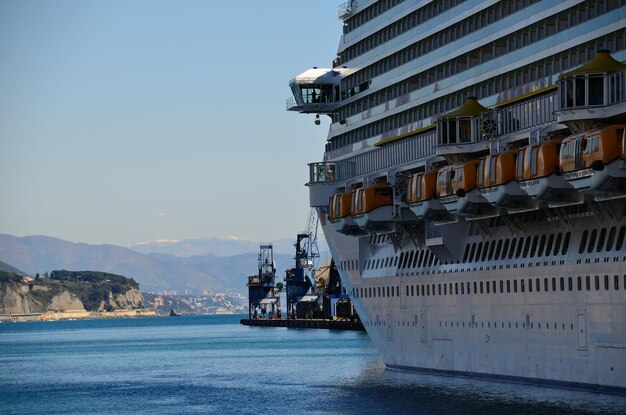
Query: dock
[305,323]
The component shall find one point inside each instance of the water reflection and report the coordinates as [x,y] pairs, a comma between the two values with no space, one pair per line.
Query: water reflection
[379,390]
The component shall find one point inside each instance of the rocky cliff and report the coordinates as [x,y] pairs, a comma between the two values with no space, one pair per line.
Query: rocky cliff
[66,291]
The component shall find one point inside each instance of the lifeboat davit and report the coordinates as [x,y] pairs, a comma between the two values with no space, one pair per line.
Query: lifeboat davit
[339,214]
[538,174]
[372,208]
[496,182]
[594,162]
[457,191]
[421,192]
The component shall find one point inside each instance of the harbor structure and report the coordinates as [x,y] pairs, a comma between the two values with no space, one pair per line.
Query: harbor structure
[263,301]
[473,185]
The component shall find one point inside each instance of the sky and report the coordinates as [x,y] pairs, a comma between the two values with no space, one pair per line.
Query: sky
[129,121]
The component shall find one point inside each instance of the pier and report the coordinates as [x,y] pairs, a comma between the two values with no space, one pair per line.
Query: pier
[305,323]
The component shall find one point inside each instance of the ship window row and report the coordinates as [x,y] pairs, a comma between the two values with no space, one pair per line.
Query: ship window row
[528,35]
[523,285]
[448,35]
[525,325]
[615,41]
[410,21]
[369,13]
[511,325]
[597,238]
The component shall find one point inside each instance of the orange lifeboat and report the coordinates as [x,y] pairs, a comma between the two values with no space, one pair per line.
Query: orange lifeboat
[372,208]
[457,191]
[339,214]
[537,172]
[496,182]
[594,162]
[421,192]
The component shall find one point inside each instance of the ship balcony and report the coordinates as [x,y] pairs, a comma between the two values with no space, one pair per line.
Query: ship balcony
[594,92]
[461,131]
[316,91]
[323,177]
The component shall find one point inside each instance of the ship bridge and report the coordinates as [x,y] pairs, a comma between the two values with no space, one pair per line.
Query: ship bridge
[316,91]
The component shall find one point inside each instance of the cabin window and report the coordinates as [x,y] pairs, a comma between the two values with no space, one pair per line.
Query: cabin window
[478,250]
[505,248]
[397,291]
[601,240]
[501,286]
[596,90]
[475,288]
[569,283]
[498,249]
[549,246]
[553,284]
[469,288]
[456,288]
[620,238]
[583,242]
[526,246]
[538,284]
[492,247]
[611,239]
[562,283]
[438,289]
[588,282]
[606,282]
[579,92]
[508,286]
[592,240]
[566,243]
[579,283]
[514,286]
[545,285]
[521,282]
[534,246]
[616,282]
[467,248]
[597,282]
[485,251]
[530,285]
[472,251]
[512,250]
[542,244]
[493,287]
[462,288]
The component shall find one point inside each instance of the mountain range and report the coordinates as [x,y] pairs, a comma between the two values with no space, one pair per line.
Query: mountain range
[194,265]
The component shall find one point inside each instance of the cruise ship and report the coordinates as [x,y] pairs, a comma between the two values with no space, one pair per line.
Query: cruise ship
[473,185]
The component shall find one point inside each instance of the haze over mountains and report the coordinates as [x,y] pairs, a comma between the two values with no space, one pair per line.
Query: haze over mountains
[195,265]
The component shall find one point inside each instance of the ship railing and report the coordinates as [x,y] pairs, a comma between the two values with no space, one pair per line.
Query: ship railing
[530,113]
[346,9]
[401,153]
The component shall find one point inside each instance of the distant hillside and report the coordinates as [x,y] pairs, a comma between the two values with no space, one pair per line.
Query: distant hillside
[155,272]
[11,269]
[68,290]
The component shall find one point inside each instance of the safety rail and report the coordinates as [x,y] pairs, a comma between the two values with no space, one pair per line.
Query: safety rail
[404,152]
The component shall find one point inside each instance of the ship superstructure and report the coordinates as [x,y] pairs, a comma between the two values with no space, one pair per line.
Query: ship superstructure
[473,185]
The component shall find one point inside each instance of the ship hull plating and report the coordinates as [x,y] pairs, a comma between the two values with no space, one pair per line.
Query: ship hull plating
[555,318]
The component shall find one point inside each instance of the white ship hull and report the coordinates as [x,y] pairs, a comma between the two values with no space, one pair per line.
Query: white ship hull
[562,336]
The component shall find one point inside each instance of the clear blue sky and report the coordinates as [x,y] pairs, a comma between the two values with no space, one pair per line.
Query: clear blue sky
[128,121]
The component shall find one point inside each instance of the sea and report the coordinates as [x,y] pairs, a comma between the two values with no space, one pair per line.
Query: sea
[214,365]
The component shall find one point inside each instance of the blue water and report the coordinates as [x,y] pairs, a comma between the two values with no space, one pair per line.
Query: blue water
[213,365]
